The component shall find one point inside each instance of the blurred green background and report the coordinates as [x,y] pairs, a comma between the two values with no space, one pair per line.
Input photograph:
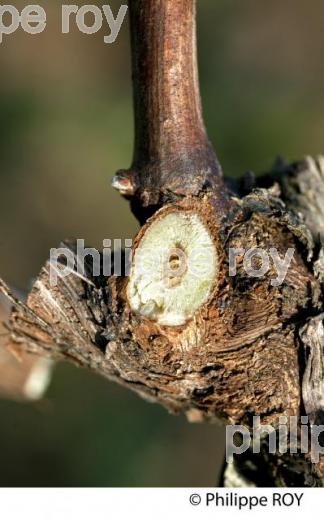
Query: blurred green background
[65,128]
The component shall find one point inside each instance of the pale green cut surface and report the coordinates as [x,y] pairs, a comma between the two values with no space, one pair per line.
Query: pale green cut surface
[149,290]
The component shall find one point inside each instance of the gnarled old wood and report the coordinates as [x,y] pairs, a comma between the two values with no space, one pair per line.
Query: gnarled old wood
[251,348]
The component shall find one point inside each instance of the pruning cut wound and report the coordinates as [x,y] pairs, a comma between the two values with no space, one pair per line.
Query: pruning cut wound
[174,269]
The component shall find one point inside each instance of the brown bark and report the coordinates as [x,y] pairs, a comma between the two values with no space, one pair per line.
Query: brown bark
[251,348]
[172,154]
[300,186]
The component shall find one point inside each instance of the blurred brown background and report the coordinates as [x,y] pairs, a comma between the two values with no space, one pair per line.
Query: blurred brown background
[65,128]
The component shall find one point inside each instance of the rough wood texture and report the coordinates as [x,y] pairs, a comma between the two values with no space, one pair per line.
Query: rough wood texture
[252,348]
[300,186]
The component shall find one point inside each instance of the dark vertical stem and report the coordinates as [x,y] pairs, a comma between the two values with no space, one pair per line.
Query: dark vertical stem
[172,154]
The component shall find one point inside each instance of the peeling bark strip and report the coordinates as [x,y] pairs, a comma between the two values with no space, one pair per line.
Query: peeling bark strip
[238,349]
[312,336]
[302,189]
